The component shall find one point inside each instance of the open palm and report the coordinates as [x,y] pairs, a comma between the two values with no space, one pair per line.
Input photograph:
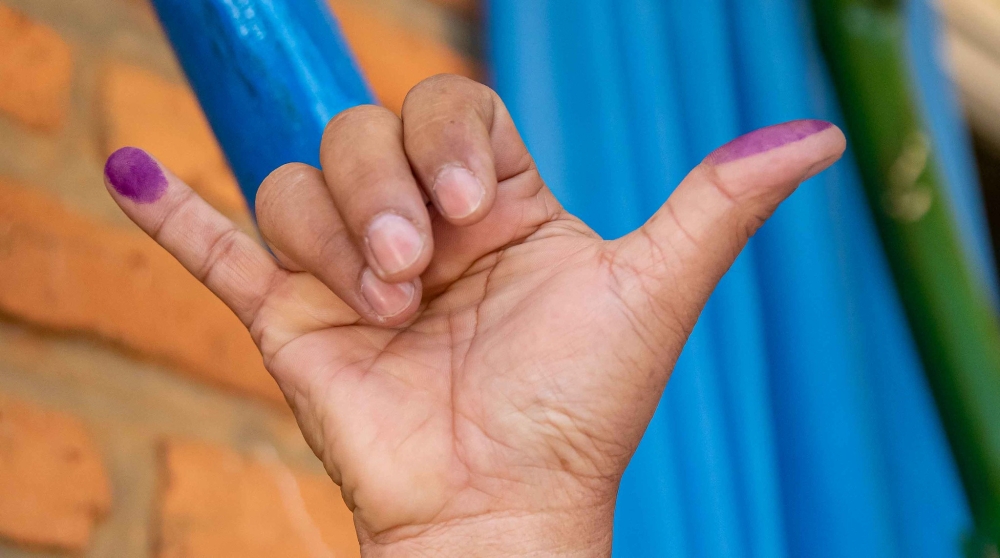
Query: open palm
[484,358]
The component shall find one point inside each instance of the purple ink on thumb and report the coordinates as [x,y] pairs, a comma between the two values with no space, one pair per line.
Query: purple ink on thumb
[135,175]
[766,139]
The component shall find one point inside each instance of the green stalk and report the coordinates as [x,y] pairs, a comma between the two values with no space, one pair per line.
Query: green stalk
[954,324]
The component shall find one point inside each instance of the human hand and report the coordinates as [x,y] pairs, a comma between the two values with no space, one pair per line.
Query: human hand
[477,373]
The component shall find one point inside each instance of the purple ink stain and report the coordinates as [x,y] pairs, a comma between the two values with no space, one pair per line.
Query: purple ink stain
[766,139]
[135,175]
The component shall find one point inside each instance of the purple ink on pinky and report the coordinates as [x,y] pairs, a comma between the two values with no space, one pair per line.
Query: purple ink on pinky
[135,175]
[766,139]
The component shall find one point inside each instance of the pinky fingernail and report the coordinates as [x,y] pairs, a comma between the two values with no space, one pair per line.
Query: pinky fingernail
[386,299]
[135,175]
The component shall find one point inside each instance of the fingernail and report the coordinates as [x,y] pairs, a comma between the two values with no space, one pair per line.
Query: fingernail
[395,242]
[387,300]
[135,175]
[766,139]
[458,192]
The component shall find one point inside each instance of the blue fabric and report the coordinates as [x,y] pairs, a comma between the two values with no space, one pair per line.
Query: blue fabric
[798,421]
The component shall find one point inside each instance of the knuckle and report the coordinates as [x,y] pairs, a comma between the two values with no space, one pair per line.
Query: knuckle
[352,119]
[747,214]
[327,245]
[220,251]
[438,84]
[447,90]
[448,129]
[274,189]
[725,188]
[444,140]
[358,186]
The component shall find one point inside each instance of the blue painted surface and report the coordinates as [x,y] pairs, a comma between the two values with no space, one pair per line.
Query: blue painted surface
[269,73]
[693,401]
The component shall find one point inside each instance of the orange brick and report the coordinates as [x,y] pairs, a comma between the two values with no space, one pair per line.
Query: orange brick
[53,488]
[393,57]
[142,109]
[36,70]
[66,272]
[218,504]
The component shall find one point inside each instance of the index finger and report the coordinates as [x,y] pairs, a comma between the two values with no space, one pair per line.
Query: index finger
[231,264]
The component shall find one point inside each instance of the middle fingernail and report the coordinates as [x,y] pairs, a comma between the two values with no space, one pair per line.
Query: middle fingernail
[394,242]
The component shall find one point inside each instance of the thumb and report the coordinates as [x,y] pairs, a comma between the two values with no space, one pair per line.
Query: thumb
[676,259]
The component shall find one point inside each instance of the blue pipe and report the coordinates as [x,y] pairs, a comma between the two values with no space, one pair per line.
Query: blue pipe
[269,74]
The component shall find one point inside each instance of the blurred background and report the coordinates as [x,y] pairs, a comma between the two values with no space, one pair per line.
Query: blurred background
[826,406]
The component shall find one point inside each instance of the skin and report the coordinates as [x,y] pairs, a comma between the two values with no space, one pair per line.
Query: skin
[477,371]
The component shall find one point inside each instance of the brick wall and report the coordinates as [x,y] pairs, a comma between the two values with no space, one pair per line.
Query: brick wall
[136,418]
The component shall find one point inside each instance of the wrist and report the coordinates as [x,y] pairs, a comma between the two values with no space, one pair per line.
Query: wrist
[564,534]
